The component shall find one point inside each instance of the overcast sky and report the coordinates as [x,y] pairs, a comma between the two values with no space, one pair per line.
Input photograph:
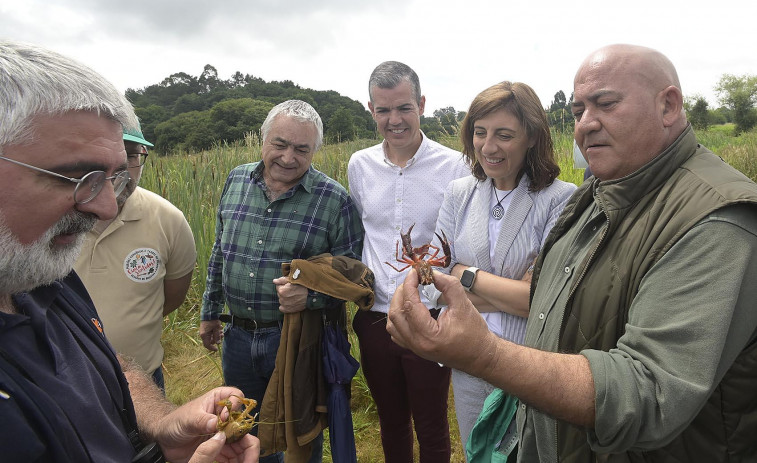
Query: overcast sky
[457,47]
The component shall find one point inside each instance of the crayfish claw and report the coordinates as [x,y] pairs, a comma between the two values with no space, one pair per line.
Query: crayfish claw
[407,246]
[445,248]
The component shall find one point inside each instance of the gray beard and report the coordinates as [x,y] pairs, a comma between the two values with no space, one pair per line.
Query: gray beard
[25,267]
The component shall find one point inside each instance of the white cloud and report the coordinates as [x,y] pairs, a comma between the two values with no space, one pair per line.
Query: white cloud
[457,47]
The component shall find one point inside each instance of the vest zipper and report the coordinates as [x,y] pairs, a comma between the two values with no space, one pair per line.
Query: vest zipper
[573,290]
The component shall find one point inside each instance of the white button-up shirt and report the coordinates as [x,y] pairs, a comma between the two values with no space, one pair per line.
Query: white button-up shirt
[390,199]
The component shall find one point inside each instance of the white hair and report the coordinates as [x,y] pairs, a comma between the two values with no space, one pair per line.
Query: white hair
[299,110]
[36,81]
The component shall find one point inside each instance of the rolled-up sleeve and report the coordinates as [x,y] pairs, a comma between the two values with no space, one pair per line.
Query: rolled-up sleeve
[693,315]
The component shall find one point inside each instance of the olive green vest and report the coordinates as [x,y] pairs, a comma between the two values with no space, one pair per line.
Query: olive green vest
[647,212]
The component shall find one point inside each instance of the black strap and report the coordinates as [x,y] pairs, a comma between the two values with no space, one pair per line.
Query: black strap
[132,431]
[7,357]
[148,453]
[246,323]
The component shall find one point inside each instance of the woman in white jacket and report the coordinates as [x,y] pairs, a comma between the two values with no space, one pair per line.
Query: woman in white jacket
[497,219]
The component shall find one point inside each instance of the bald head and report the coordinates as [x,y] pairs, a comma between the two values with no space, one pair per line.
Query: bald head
[628,107]
[651,67]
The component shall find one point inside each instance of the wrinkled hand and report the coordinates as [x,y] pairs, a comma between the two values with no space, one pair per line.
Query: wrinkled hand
[213,450]
[184,433]
[211,333]
[458,338]
[292,298]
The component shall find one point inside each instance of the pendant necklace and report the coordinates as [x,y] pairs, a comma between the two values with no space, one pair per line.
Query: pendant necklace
[498,211]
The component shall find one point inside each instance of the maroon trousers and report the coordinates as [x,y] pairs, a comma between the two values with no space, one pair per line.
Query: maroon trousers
[403,385]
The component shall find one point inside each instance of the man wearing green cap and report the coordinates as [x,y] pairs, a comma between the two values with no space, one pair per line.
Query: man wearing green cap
[138,266]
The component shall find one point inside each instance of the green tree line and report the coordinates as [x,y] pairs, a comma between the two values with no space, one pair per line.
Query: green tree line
[192,113]
[185,113]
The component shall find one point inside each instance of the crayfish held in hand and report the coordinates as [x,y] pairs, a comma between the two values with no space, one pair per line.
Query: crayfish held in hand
[238,423]
[415,257]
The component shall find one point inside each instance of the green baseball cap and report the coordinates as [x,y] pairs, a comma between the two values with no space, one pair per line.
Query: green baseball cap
[136,136]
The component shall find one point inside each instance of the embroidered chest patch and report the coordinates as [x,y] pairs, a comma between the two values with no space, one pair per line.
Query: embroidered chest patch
[142,264]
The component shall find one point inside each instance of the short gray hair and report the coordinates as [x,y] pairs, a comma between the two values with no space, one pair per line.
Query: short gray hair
[35,81]
[389,74]
[296,109]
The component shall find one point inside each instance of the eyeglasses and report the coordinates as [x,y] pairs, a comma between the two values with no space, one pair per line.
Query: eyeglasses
[134,160]
[89,186]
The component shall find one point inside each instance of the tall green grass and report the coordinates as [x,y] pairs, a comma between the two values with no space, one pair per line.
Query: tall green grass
[194,182]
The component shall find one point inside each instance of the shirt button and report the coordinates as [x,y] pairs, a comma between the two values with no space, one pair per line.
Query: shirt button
[541,316]
[269,210]
[313,299]
[522,406]
[566,270]
[260,241]
[399,201]
[252,274]
[249,309]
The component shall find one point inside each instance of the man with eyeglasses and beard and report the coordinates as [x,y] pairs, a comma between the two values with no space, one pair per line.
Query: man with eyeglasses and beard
[65,395]
[138,266]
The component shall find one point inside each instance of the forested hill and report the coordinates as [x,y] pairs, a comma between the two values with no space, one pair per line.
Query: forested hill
[188,113]
[184,113]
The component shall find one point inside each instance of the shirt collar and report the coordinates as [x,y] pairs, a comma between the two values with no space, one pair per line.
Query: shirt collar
[306,181]
[418,154]
[41,296]
[624,192]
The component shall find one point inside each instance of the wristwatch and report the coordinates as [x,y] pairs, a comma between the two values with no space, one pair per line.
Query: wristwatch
[468,277]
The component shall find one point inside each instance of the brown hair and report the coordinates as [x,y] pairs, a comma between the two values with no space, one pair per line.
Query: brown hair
[520,100]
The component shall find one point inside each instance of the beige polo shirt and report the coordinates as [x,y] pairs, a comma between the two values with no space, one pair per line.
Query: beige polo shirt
[124,268]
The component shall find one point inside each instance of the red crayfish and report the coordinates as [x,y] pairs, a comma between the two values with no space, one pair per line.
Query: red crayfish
[415,257]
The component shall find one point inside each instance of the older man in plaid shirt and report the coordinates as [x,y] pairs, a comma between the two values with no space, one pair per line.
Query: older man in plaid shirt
[271,212]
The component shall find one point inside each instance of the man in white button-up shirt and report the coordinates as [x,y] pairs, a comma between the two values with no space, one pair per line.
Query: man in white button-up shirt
[395,185]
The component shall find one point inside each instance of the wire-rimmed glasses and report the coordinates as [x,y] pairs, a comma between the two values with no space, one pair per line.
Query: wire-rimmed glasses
[89,186]
[134,160]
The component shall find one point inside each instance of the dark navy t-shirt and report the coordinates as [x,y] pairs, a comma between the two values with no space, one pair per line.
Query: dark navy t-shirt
[67,363]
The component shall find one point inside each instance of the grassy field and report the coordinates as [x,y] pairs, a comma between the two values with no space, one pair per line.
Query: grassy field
[194,182]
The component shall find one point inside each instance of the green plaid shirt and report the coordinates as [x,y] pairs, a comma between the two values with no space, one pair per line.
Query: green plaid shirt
[254,236]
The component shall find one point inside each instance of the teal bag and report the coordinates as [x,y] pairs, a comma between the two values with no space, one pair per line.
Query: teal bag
[494,436]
